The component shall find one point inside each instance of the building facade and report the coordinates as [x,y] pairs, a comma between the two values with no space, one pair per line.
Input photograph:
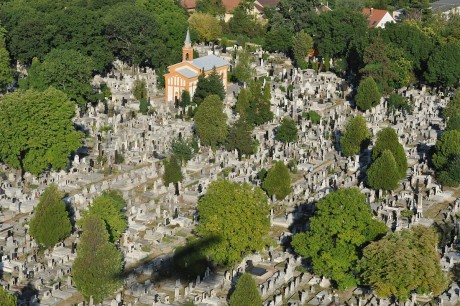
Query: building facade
[184,75]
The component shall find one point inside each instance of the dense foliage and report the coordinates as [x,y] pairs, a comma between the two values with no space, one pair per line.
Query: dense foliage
[36,130]
[368,94]
[387,139]
[221,211]
[240,138]
[98,266]
[211,121]
[339,230]
[278,181]
[383,173]
[287,131]
[172,173]
[50,223]
[403,262]
[355,137]
[7,299]
[210,85]
[246,292]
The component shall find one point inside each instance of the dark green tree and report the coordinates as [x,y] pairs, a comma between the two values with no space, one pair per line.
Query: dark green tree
[287,131]
[183,149]
[278,39]
[7,299]
[244,22]
[397,102]
[209,85]
[451,175]
[452,107]
[259,107]
[6,73]
[443,66]
[220,213]
[341,227]
[144,106]
[453,123]
[301,45]
[239,138]
[98,266]
[387,139]
[173,172]
[246,293]
[403,262]
[278,181]
[185,99]
[368,94]
[36,130]
[447,147]
[211,122]
[50,223]
[109,208]
[355,137]
[243,69]
[242,103]
[383,173]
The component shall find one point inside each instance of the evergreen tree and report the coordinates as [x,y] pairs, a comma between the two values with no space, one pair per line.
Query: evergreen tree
[98,266]
[109,208]
[387,139]
[259,108]
[183,149]
[246,293]
[452,107]
[278,181]
[172,173]
[143,106]
[383,173]
[368,94]
[243,70]
[185,99]
[301,45]
[213,7]
[211,122]
[50,223]
[210,85]
[355,137]
[242,103]
[239,137]
[287,131]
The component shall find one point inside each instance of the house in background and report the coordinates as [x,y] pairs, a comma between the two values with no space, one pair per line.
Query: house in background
[184,75]
[446,7]
[377,18]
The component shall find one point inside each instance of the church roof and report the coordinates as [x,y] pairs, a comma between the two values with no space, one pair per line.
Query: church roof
[187,72]
[208,62]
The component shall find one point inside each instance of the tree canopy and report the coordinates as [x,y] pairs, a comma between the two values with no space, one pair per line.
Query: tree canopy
[340,228]
[383,173]
[50,223]
[278,181]
[447,147]
[403,262]
[239,138]
[206,25]
[221,211]
[355,137]
[246,293]
[36,130]
[173,173]
[211,121]
[210,85]
[301,45]
[7,299]
[387,139]
[287,131]
[97,269]
[368,94]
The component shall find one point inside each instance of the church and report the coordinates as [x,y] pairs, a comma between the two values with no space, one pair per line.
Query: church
[184,75]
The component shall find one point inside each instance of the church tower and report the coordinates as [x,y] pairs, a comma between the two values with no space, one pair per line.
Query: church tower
[187,50]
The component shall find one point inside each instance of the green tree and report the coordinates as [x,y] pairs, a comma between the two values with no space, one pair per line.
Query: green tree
[383,173]
[397,102]
[452,107]
[210,85]
[7,299]
[453,123]
[451,175]
[278,181]
[244,22]
[36,130]
[220,213]
[109,208]
[403,262]
[278,39]
[50,223]
[287,131]
[443,66]
[314,117]
[446,148]
[140,89]
[368,94]
[259,107]
[212,7]
[355,137]
[242,103]
[387,139]
[185,99]
[172,173]
[341,227]
[67,70]
[144,106]
[206,25]
[301,45]
[246,293]
[98,266]
[211,121]
[239,138]
[6,73]
[243,70]
[183,149]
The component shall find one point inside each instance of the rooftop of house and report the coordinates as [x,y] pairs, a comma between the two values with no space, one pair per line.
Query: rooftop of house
[208,62]
[374,15]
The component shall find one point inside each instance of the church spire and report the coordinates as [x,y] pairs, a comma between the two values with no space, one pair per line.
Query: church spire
[187,51]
